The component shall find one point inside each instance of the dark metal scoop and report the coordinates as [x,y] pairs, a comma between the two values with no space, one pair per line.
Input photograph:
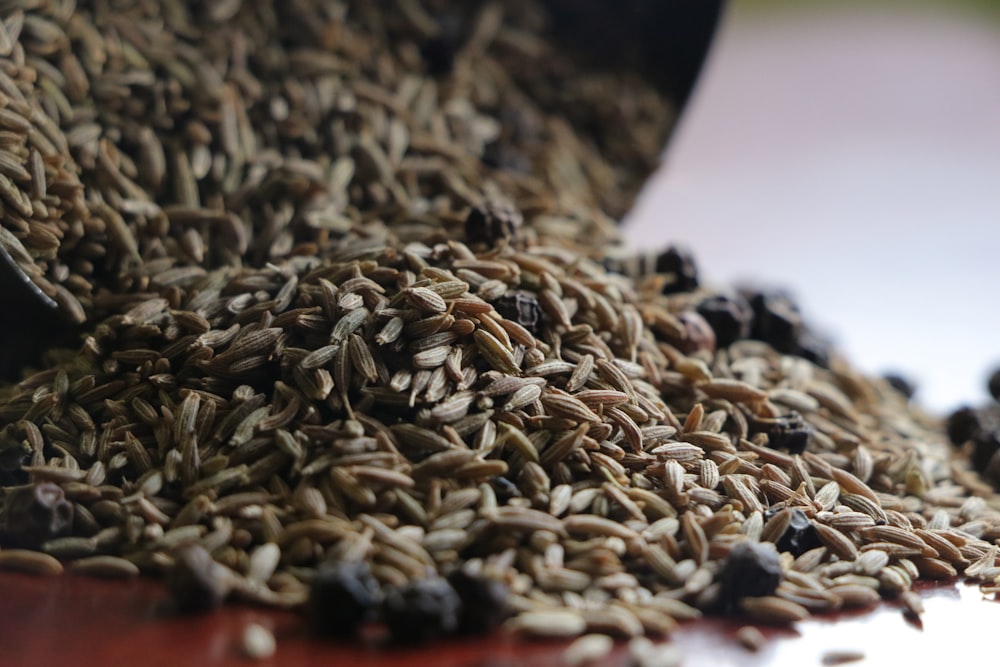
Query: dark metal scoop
[32,321]
[666,41]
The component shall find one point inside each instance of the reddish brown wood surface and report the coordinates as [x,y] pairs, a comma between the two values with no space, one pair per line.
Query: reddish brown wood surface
[90,623]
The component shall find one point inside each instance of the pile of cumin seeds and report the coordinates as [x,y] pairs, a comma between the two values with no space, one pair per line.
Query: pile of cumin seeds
[383,409]
[180,136]
[356,335]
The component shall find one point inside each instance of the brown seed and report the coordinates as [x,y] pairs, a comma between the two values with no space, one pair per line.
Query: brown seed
[548,623]
[842,657]
[732,390]
[773,610]
[912,603]
[589,524]
[751,638]
[853,595]
[426,300]
[852,484]
[588,649]
[893,534]
[109,567]
[522,518]
[30,562]
[838,543]
[566,405]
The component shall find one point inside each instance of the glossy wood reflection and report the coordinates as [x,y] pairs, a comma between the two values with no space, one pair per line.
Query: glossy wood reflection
[91,623]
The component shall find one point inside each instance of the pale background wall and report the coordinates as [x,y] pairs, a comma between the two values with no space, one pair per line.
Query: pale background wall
[852,152]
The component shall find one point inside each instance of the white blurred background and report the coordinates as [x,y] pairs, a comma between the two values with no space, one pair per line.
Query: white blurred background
[851,151]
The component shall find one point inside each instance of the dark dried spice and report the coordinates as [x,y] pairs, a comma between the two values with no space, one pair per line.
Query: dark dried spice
[985,443]
[439,51]
[901,384]
[789,432]
[520,307]
[981,427]
[501,155]
[799,537]
[492,223]
[14,455]
[962,425]
[196,582]
[993,384]
[620,264]
[520,126]
[36,513]
[991,471]
[814,347]
[698,335]
[504,489]
[729,315]
[421,610]
[777,320]
[342,597]
[751,569]
[678,266]
[484,601]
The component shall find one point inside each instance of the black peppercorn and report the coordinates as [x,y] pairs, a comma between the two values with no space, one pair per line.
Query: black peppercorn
[484,601]
[421,610]
[962,425]
[789,432]
[504,489]
[800,535]
[439,51]
[678,266]
[814,347]
[342,597]
[751,569]
[981,427]
[520,307]
[501,155]
[520,127]
[730,317]
[777,320]
[698,334]
[196,582]
[492,223]
[627,264]
[901,384]
[991,471]
[993,384]
[35,513]
[985,443]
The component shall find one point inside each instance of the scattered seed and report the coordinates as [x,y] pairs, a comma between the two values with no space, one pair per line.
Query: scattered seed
[751,638]
[588,649]
[841,657]
[257,642]
[31,562]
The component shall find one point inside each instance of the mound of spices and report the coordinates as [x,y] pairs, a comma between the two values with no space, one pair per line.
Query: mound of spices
[206,135]
[978,431]
[324,368]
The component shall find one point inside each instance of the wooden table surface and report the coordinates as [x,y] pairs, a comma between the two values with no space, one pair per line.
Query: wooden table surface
[92,623]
